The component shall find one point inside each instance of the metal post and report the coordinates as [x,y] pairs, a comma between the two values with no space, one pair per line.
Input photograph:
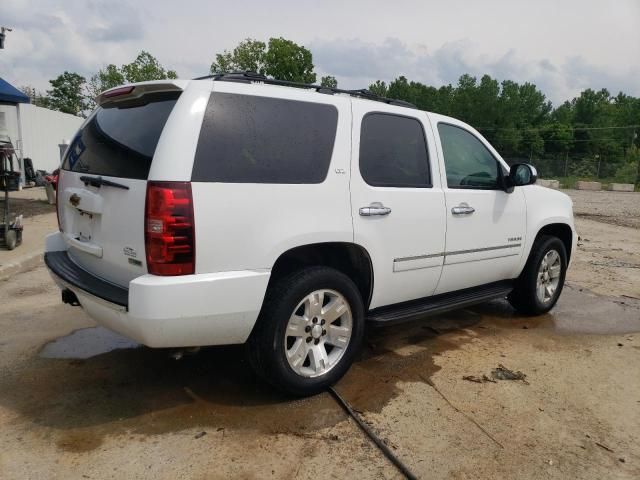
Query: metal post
[18,147]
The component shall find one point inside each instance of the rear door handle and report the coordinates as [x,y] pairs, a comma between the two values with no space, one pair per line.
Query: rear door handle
[463,209]
[376,208]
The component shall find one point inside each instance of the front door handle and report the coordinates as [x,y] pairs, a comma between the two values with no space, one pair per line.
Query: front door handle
[376,208]
[463,209]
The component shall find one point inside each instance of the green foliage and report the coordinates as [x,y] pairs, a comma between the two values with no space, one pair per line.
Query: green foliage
[280,58]
[106,78]
[329,81]
[379,88]
[66,94]
[36,97]
[285,60]
[592,134]
[145,67]
[249,55]
[582,136]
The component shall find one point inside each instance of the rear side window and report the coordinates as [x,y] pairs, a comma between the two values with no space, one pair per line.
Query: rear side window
[249,139]
[119,141]
[393,151]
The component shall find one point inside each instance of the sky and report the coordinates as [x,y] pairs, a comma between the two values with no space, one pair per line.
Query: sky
[561,46]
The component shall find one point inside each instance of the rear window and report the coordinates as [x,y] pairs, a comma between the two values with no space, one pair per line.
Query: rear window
[120,141]
[249,139]
[393,151]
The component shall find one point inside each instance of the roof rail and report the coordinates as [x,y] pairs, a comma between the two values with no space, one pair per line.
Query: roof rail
[251,77]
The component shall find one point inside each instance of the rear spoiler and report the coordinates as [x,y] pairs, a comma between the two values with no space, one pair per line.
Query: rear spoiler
[135,91]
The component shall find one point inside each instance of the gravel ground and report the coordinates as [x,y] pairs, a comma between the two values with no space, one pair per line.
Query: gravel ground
[616,208]
[77,401]
[608,259]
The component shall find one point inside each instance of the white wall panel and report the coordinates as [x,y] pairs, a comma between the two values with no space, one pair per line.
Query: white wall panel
[42,131]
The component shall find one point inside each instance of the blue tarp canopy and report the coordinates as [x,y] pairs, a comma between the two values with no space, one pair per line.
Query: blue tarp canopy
[10,94]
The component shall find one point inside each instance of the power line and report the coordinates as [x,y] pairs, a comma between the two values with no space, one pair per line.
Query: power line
[573,129]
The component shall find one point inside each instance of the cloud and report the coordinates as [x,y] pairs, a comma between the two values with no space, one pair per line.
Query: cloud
[47,39]
[114,22]
[427,40]
[356,64]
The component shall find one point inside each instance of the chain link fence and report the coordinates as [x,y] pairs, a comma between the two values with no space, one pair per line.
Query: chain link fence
[597,168]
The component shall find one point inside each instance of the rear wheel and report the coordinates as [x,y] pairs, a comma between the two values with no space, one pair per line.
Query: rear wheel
[309,331]
[539,286]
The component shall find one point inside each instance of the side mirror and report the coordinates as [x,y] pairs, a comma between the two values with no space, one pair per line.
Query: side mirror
[522,174]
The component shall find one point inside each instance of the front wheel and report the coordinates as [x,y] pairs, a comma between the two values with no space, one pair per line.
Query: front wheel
[539,286]
[309,330]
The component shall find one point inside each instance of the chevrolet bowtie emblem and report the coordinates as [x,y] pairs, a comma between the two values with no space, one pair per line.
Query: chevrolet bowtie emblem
[74,200]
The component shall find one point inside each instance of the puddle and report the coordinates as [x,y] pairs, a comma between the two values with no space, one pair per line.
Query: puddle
[577,312]
[86,343]
[93,383]
[100,384]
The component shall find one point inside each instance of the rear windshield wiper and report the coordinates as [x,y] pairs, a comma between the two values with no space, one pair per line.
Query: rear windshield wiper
[99,181]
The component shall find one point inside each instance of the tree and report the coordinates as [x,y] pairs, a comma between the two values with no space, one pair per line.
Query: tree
[401,89]
[144,68]
[532,141]
[329,82]
[106,78]
[280,58]
[379,88]
[67,94]
[249,55]
[36,97]
[286,60]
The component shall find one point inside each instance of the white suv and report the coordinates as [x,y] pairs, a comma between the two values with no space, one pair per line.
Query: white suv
[237,209]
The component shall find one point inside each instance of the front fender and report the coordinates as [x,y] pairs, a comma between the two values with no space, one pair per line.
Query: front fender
[546,207]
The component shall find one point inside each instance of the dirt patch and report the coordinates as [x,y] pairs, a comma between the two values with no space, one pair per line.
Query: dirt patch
[614,208]
[28,207]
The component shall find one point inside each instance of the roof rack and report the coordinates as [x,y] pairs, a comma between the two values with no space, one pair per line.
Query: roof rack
[251,77]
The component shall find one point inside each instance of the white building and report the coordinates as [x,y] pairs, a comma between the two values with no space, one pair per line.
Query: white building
[34,131]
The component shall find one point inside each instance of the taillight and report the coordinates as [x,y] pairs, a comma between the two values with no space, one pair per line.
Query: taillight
[169,232]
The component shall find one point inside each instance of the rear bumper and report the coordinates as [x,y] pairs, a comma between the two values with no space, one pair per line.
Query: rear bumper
[60,265]
[190,310]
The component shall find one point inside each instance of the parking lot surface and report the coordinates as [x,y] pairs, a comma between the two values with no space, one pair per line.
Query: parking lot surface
[77,401]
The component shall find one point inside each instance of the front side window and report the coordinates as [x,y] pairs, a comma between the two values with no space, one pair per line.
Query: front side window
[469,164]
[251,139]
[393,151]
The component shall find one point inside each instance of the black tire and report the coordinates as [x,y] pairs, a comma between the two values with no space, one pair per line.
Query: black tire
[524,297]
[266,345]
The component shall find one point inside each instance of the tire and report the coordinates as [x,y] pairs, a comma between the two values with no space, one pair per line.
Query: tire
[286,345]
[526,296]
[11,239]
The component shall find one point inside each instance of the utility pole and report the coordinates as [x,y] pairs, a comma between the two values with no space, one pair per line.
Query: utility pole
[3,35]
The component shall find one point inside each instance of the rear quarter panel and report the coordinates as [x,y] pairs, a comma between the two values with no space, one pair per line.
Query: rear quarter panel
[245,226]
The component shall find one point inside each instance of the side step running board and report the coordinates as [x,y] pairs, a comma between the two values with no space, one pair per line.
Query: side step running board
[415,309]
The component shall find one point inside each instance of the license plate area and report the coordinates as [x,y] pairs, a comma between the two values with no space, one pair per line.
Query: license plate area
[83,226]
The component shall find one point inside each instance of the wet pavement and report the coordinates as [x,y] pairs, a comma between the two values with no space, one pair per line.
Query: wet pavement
[71,388]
